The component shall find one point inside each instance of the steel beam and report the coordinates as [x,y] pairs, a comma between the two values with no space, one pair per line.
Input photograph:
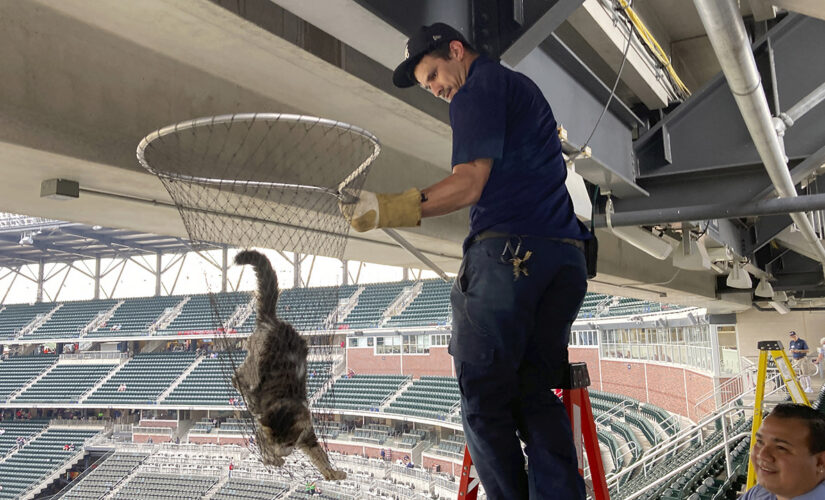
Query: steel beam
[719,211]
[707,133]
[538,20]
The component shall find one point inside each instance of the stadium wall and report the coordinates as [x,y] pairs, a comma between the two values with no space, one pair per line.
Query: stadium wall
[364,361]
[753,326]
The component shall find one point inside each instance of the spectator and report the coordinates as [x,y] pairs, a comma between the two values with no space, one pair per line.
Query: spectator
[789,455]
[820,356]
[231,466]
[799,351]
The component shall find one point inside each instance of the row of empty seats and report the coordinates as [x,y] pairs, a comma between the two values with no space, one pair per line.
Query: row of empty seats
[149,486]
[430,397]
[40,457]
[360,392]
[106,476]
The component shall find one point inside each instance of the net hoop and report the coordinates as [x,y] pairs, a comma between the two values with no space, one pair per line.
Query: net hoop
[210,121]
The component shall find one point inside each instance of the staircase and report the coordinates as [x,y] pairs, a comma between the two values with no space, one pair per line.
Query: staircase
[119,485]
[102,381]
[401,302]
[241,314]
[344,308]
[100,320]
[36,322]
[168,316]
[398,392]
[42,485]
[30,383]
[180,379]
[216,488]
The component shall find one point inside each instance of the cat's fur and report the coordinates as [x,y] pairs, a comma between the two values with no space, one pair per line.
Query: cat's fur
[272,379]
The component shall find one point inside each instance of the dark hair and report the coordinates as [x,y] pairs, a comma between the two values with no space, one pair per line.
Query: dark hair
[442,50]
[813,419]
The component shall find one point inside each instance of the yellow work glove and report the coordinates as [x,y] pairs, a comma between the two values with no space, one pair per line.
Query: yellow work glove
[374,210]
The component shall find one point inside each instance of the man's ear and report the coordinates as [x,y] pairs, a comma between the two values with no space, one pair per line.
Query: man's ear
[457,50]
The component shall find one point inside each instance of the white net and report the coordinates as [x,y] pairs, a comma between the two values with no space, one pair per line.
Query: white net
[268,181]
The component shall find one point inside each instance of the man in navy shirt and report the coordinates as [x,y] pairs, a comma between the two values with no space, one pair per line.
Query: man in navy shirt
[799,348]
[523,276]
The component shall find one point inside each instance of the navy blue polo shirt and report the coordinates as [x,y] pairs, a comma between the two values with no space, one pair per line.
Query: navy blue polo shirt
[501,114]
[798,344]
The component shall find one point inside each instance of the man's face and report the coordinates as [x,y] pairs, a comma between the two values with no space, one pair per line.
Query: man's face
[442,77]
[783,462]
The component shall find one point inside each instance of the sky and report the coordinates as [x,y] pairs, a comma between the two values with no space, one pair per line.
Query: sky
[191,275]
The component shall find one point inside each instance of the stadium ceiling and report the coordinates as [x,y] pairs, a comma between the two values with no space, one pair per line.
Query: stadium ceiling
[87,80]
[32,240]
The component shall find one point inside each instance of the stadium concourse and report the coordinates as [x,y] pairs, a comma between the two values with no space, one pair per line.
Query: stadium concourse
[129,397]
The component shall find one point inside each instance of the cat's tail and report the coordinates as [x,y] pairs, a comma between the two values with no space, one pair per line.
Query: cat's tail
[267,281]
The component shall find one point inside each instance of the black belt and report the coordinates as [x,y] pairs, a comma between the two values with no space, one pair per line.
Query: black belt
[486,235]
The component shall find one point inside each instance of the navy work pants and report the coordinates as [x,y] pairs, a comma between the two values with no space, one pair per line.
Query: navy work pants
[509,345]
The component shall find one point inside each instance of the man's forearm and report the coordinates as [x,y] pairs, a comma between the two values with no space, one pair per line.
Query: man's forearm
[460,189]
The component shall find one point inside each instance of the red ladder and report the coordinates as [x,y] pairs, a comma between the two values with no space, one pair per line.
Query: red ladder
[577,401]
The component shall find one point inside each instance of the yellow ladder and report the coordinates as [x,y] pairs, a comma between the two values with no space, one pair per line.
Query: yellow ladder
[788,375]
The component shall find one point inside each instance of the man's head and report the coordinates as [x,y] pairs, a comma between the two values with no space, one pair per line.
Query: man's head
[438,58]
[793,335]
[789,453]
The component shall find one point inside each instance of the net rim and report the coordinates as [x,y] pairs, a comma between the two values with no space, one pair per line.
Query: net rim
[252,117]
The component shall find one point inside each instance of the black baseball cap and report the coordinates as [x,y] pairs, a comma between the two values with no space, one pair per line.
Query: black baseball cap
[419,45]
[792,333]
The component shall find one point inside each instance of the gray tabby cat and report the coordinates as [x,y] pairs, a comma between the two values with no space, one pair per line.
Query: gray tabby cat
[272,379]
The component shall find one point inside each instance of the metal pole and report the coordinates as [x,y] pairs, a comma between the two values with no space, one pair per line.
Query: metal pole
[158,273]
[41,267]
[224,267]
[727,448]
[721,211]
[97,277]
[806,104]
[726,32]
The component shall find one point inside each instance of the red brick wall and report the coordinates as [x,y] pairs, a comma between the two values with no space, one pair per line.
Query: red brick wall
[667,387]
[203,439]
[144,438]
[698,385]
[438,362]
[447,466]
[624,377]
[158,423]
[365,362]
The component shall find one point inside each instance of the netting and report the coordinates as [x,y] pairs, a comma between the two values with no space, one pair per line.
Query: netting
[268,181]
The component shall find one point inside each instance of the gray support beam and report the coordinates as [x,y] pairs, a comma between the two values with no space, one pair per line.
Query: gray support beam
[41,268]
[345,272]
[539,21]
[224,268]
[97,278]
[720,211]
[158,272]
[297,282]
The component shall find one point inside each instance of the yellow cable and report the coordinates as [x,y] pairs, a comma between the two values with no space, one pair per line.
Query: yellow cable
[653,45]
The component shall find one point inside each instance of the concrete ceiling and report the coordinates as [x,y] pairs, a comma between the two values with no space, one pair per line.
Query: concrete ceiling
[85,81]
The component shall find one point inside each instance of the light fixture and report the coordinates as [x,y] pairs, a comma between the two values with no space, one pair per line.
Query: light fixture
[780,307]
[738,277]
[764,289]
[780,296]
[690,254]
[60,189]
[640,238]
[26,239]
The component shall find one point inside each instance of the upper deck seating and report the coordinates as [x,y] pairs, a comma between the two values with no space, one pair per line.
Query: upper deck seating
[360,392]
[431,397]
[135,316]
[70,319]
[65,383]
[143,378]
[16,316]
[17,371]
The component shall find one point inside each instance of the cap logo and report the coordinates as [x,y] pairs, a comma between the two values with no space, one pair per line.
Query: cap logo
[436,37]
[407,51]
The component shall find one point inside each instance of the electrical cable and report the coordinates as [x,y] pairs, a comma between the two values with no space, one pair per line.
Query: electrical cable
[609,99]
